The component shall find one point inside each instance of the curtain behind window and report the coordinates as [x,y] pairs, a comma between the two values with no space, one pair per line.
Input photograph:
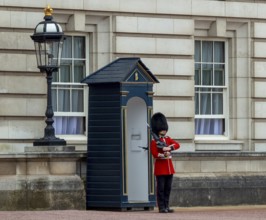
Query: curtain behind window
[69,125]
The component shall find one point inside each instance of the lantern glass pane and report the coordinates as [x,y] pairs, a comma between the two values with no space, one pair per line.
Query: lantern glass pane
[51,58]
[60,48]
[54,51]
[48,53]
[40,53]
[37,51]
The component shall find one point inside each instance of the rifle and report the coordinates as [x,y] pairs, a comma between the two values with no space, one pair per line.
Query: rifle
[160,144]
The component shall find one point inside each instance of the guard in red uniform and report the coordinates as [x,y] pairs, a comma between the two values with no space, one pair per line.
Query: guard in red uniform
[163,166]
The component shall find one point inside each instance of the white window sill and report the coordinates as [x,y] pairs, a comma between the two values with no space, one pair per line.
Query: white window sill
[210,137]
[74,139]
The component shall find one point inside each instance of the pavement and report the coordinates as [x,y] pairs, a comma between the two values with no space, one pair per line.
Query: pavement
[193,213]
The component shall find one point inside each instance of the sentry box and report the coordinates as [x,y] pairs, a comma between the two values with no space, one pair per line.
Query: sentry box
[119,164]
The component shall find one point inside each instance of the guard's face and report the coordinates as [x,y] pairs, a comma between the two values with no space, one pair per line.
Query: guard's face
[162,133]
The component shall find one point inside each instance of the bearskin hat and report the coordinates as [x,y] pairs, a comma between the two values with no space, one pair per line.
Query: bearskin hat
[158,123]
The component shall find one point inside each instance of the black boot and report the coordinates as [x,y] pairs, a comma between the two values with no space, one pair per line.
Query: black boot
[170,210]
[163,211]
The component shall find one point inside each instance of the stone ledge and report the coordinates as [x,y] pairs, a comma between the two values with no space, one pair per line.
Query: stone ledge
[242,154]
[50,149]
[40,155]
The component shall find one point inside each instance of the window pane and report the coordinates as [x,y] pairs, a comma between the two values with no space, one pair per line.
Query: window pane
[69,125]
[205,89]
[54,98]
[79,47]
[79,70]
[63,100]
[217,90]
[205,101]
[219,52]
[197,51]
[207,49]
[197,77]
[77,101]
[197,103]
[217,103]
[65,73]
[219,75]
[55,76]
[67,48]
[207,77]
[209,126]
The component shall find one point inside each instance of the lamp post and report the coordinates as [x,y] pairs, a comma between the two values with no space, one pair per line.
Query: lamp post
[48,39]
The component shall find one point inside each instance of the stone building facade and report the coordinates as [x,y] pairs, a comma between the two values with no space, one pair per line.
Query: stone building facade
[181,41]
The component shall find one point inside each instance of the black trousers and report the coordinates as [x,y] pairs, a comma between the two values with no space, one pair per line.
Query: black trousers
[164,186]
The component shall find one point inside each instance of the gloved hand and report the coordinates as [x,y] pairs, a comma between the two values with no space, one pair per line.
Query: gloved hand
[167,154]
[169,148]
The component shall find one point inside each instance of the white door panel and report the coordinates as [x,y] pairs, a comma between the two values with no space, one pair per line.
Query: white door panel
[137,169]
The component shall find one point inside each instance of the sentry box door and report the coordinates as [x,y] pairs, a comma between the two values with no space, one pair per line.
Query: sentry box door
[137,166]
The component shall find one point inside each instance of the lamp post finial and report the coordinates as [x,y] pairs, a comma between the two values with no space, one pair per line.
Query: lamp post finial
[48,11]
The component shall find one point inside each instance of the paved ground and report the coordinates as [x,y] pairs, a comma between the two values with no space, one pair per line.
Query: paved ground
[198,213]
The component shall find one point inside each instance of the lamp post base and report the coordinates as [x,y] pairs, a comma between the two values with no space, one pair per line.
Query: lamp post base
[49,142]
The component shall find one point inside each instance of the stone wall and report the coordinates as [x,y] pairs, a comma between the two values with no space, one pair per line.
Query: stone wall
[219,190]
[41,181]
[163,35]
[215,178]
[211,179]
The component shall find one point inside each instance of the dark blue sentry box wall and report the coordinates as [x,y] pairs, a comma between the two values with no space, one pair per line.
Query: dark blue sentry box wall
[108,182]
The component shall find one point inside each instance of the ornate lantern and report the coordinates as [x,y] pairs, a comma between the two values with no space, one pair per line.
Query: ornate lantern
[48,38]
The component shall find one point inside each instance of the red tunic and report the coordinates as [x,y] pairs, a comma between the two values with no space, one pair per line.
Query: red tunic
[162,165]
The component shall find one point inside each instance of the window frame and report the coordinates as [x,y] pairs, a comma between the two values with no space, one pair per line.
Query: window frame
[75,137]
[225,88]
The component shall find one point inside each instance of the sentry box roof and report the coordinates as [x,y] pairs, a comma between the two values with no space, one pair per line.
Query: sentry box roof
[122,70]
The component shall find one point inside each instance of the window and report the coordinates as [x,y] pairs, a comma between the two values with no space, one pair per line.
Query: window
[210,88]
[67,91]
